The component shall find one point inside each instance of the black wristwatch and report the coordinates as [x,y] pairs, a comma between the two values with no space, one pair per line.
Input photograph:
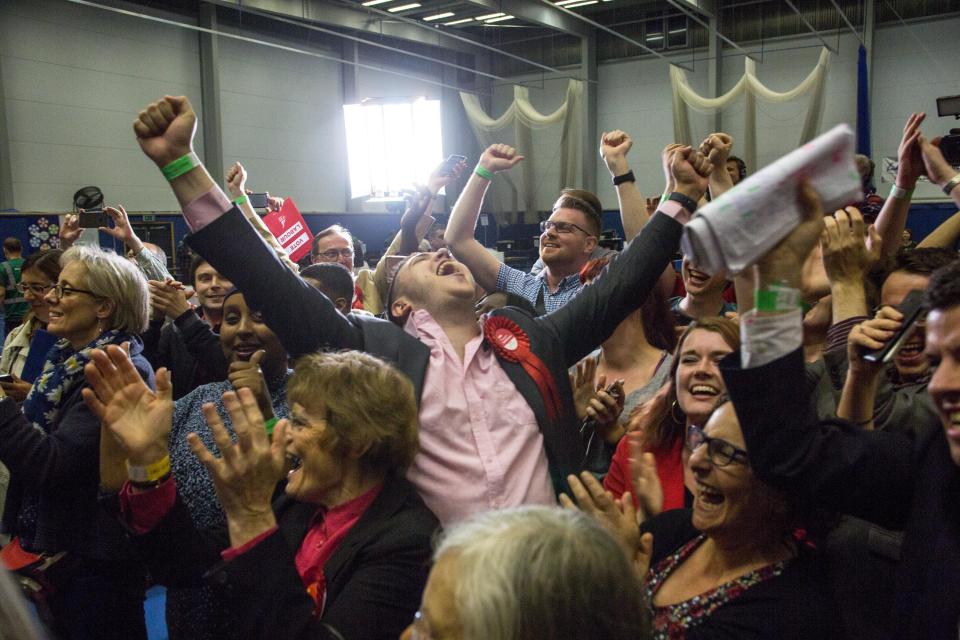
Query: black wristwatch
[686,202]
[627,177]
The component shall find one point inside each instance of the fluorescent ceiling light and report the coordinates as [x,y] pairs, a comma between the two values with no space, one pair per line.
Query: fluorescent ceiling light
[655,36]
[673,31]
[582,4]
[500,19]
[404,7]
[371,3]
[438,16]
[564,2]
[488,16]
[461,21]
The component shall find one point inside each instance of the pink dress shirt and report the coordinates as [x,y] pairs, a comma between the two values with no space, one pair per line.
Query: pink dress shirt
[480,446]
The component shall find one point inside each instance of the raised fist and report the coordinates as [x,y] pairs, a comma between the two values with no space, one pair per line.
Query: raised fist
[499,157]
[165,129]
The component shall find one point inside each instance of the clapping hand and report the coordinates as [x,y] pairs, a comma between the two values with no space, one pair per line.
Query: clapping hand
[247,471]
[643,475]
[843,245]
[168,298]
[616,514]
[137,419]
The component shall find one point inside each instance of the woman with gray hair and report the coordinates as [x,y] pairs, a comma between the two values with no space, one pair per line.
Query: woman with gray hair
[94,587]
[530,572]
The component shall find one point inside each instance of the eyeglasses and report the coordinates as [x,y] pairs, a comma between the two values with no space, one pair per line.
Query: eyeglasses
[38,289]
[720,452]
[61,291]
[333,254]
[421,630]
[561,227]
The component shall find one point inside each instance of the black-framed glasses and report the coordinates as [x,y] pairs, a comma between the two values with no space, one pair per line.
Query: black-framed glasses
[39,289]
[334,254]
[60,291]
[561,227]
[720,452]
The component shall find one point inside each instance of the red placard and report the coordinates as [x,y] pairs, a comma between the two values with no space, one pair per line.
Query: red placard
[290,230]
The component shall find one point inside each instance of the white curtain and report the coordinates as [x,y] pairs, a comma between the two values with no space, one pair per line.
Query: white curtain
[684,96]
[524,118]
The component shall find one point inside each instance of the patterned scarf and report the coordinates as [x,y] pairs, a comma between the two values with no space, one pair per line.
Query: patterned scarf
[62,373]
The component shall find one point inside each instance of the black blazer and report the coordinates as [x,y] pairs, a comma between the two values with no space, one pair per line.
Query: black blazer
[897,479]
[373,580]
[305,320]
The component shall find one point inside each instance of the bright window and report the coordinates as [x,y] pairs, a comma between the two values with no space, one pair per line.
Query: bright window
[391,145]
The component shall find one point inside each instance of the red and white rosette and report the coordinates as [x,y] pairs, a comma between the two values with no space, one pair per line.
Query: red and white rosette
[512,344]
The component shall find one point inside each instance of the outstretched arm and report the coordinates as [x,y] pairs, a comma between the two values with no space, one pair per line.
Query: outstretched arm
[221,234]
[614,147]
[463,219]
[893,216]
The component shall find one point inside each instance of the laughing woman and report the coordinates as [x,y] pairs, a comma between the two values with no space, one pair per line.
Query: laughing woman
[52,449]
[735,566]
[345,547]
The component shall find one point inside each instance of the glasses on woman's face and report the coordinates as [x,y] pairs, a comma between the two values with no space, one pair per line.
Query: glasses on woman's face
[719,452]
[38,289]
[62,291]
[561,227]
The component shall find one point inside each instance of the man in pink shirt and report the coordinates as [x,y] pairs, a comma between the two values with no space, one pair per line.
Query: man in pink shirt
[497,423]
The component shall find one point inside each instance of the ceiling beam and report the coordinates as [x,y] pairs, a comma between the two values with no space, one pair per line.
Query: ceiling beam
[816,33]
[688,8]
[344,17]
[538,13]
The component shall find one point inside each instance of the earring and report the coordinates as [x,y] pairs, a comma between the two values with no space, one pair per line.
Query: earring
[673,413]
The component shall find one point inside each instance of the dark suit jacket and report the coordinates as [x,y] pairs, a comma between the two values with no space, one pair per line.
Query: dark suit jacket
[893,478]
[305,320]
[374,579]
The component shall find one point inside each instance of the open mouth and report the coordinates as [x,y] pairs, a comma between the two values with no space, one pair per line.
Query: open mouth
[708,497]
[294,463]
[446,268]
[698,278]
[55,314]
[704,391]
[912,351]
[245,351]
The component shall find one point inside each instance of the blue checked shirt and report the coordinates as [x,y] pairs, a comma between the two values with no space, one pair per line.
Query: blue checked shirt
[528,286]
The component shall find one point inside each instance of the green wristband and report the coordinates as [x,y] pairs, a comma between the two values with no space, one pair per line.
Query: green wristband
[483,173]
[776,298]
[663,198]
[270,424]
[180,166]
[240,200]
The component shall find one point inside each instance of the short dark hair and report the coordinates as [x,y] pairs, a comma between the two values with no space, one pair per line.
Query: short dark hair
[12,245]
[585,202]
[334,228]
[334,278]
[943,291]
[46,262]
[741,166]
[195,263]
[922,261]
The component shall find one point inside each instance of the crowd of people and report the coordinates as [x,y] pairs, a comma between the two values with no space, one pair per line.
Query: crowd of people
[444,446]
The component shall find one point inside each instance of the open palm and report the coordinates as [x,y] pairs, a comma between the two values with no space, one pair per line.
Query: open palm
[140,419]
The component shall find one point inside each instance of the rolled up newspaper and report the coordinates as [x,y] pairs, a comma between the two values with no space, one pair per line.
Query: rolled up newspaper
[735,230]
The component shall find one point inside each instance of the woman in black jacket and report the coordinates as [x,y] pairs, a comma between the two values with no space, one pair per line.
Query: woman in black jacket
[346,548]
[52,447]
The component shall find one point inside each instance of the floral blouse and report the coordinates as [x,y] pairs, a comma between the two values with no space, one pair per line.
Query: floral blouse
[675,620]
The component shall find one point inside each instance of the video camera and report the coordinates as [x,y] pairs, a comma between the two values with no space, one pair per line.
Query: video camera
[950,144]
